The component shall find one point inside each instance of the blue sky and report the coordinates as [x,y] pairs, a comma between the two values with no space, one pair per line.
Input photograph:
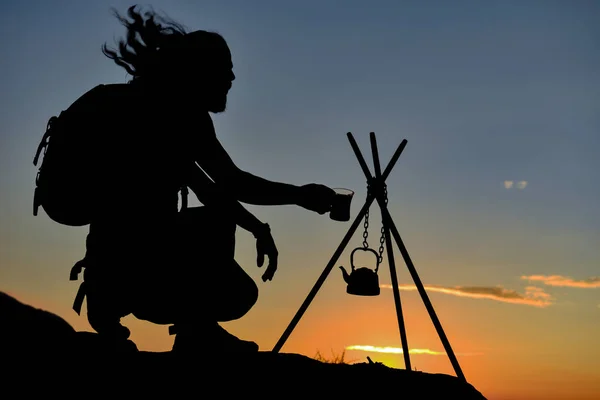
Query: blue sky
[484,92]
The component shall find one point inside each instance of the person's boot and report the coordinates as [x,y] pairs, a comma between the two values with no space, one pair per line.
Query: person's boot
[104,312]
[210,337]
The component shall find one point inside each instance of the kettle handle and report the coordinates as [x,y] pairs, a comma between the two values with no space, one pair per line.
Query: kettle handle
[364,249]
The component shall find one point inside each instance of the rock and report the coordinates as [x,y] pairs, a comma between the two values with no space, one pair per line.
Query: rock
[49,357]
[25,329]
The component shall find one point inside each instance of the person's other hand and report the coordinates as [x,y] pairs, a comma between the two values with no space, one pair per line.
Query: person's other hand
[316,197]
[265,246]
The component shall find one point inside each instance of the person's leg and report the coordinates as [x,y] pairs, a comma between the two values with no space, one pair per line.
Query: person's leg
[104,286]
[195,282]
[232,295]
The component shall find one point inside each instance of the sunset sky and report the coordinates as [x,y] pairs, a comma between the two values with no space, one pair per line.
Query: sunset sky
[496,196]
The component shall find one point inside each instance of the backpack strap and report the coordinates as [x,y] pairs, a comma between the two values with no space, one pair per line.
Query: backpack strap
[81,293]
[76,270]
[184,197]
[37,201]
[45,139]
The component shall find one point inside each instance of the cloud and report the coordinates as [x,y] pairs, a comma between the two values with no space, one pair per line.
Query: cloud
[521,184]
[564,281]
[398,350]
[536,293]
[533,296]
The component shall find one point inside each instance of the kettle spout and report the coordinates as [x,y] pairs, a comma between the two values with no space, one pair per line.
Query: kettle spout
[345,274]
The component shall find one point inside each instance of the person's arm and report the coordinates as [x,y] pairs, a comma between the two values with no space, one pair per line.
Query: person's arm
[244,186]
[251,189]
[211,195]
[241,185]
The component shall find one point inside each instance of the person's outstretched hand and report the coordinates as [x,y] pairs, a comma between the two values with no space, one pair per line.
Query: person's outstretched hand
[265,246]
[316,197]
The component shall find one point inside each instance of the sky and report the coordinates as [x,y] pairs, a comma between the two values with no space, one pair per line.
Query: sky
[496,195]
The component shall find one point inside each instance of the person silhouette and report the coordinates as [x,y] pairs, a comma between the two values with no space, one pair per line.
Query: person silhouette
[149,258]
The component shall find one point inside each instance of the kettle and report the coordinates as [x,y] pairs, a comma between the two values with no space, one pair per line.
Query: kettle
[362,281]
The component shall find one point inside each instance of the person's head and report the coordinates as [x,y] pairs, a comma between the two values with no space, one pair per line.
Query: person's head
[161,53]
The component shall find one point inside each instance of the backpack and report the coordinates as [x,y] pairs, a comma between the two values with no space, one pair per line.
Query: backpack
[66,177]
[63,186]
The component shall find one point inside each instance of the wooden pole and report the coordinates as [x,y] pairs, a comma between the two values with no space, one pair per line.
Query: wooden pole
[391,262]
[311,295]
[389,222]
[389,226]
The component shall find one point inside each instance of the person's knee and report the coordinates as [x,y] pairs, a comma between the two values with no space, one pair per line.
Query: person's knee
[246,299]
[215,219]
[213,215]
[224,222]
[252,295]
[249,299]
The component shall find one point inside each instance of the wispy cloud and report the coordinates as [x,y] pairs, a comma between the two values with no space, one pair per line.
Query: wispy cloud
[533,296]
[536,293]
[564,281]
[399,350]
[520,184]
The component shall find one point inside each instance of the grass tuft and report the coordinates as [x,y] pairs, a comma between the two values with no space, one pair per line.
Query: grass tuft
[339,358]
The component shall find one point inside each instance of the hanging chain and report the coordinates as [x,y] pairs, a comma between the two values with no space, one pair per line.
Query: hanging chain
[382,238]
[366,232]
[366,226]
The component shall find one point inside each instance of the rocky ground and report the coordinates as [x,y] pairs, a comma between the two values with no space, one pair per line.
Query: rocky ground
[41,354]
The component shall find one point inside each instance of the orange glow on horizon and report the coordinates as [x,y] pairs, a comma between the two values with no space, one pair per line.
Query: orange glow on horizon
[399,350]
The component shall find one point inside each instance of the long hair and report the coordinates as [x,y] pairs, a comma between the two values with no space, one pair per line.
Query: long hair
[139,52]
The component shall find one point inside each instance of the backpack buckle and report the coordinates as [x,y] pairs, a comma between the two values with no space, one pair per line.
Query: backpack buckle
[36,201]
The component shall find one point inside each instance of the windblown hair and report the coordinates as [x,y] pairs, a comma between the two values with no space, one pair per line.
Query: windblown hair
[147,33]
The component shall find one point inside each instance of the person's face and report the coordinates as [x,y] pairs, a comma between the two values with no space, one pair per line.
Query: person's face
[220,80]
[213,82]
